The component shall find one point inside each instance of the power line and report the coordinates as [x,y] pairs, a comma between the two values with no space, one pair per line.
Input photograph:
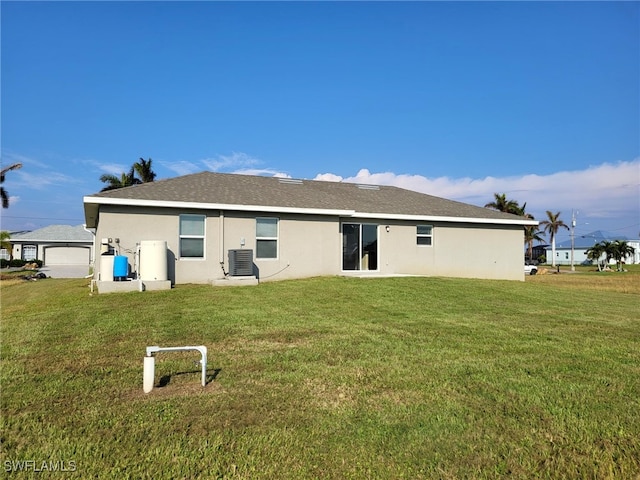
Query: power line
[40,218]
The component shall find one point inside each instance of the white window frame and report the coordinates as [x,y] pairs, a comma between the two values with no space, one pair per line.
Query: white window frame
[28,248]
[185,236]
[424,235]
[276,238]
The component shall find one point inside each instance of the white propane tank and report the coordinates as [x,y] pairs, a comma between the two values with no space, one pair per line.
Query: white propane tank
[153,260]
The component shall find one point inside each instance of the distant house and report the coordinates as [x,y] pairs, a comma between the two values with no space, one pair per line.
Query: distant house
[583,242]
[54,245]
[301,228]
[537,251]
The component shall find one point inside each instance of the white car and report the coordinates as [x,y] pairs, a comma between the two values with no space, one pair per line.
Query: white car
[530,269]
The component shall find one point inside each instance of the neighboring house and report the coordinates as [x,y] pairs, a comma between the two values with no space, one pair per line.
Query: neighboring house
[55,245]
[537,251]
[303,228]
[583,242]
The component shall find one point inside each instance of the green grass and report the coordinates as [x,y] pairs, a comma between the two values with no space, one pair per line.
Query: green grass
[328,378]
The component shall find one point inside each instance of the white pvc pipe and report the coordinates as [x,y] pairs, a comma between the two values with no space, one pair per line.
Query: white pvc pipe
[148,373]
[154,349]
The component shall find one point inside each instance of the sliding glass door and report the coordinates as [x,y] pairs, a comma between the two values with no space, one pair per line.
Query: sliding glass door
[359,246]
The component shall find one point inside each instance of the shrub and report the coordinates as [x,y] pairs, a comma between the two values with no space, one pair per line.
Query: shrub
[16,262]
[4,263]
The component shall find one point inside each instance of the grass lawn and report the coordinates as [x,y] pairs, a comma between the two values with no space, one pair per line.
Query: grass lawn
[331,378]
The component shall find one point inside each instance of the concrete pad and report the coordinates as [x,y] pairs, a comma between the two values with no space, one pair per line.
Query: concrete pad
[235,281]
[133,286]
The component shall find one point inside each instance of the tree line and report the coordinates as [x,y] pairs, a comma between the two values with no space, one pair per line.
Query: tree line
[617,250]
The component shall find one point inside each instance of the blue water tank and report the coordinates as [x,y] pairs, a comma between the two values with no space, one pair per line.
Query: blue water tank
[120,267]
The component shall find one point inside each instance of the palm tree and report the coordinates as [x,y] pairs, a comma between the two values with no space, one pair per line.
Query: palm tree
[608,248]
[531,234]
[594,253]
[114,182]
[5,243]
[621,250]
[551,226]
[501,204]
[143,169]
[3,192]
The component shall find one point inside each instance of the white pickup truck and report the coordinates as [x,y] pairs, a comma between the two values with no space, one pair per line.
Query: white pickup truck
[530,269]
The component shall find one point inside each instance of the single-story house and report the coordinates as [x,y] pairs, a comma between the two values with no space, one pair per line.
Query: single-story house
[301,228]
[581,243]
[55,245]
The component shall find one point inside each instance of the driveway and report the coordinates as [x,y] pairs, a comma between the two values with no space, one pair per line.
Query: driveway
[65,271]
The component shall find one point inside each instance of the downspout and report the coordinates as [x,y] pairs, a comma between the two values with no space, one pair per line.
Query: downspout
[92,257]
[221,242]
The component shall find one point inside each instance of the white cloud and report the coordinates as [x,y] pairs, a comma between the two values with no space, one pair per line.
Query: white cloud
[262,171]
[235,160]
[114,168]
[328,177]
[182,167]
[602,191]
[43,179]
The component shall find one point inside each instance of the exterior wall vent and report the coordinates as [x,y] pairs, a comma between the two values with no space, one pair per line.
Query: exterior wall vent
[241,263]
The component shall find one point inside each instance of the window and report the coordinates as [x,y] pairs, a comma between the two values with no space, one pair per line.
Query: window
[4,254]
[29,252]
[425,235]
[266,237]
[191,236]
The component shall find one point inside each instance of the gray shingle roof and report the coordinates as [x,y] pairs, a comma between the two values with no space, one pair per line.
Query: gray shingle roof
[55,233]
[246,190]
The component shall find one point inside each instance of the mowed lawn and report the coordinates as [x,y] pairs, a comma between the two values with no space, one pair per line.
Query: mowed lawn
[328,378]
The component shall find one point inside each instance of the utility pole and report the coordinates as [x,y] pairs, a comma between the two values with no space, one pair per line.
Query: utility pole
[573,226]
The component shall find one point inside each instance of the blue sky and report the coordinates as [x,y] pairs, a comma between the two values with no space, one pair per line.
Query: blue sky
[538,100]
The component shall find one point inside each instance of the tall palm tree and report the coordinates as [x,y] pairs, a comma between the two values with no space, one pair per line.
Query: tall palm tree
[114,182]
[3,192]
[551,226]
[531,234]
[144,171]
[501,204]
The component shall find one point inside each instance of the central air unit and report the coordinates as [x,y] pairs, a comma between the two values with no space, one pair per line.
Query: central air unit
[240,263]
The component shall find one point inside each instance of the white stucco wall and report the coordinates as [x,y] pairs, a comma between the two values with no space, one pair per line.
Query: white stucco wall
[312,245]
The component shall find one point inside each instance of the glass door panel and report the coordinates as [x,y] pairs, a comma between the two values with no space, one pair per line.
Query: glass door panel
[359,246]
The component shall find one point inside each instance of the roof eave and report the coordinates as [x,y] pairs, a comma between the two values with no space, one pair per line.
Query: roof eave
[91,205]
[445,218]
[209,206]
